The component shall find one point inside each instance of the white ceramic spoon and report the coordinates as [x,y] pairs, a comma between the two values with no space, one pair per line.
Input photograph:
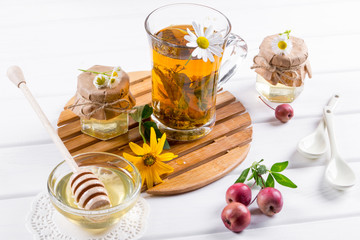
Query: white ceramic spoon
[338,173]
[314,145]
[88,190]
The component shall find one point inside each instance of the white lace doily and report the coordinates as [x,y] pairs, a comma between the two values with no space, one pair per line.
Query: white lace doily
[44,222]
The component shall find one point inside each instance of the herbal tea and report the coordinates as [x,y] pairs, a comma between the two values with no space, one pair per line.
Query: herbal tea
[183,88]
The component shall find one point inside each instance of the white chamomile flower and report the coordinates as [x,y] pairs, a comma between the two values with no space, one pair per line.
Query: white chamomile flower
[282,44]
[113,82]
[115,77]
[116,71]
[101,81]
[207,43]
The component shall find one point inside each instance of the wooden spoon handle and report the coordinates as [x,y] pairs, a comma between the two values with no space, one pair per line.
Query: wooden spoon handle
[15,74]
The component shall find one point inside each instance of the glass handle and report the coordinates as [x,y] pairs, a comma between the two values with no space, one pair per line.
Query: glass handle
[236,48]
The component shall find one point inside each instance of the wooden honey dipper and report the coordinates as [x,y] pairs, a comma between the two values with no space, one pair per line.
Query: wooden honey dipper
[88,190]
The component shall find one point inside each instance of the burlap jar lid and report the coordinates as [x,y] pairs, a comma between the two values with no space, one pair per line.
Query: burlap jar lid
[267,62]
[103,103]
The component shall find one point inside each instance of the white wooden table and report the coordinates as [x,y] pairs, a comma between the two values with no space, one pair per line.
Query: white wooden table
[51,39]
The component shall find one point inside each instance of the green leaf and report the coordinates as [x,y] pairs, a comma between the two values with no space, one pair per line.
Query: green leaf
[147,126]
[281,179]
[252,175]
[279,167]
[256,177]
[258,180]
[243,176]
[147,111]
[270,181]
[137,115]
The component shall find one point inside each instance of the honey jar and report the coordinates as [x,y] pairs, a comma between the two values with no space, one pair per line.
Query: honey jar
[281,74]
[103,110]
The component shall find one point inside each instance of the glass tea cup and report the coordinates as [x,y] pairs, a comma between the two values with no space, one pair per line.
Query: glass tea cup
[189,68]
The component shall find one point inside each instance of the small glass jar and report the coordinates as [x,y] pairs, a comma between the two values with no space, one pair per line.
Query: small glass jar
[279,92]
[280,77]
[105,129]
[103,111]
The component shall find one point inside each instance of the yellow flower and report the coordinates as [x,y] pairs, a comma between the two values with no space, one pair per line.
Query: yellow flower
[150,161]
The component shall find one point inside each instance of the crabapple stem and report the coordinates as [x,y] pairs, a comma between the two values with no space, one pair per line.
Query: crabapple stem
[253,199]
[266,103]
[262,180]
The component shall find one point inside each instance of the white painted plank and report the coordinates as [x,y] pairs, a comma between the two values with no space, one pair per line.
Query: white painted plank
[58,42]
[12,222]
[198,212]
[316,94]
[24,127]
[332,229]
[56,74]
[295,13]
[24,170]
[276,142]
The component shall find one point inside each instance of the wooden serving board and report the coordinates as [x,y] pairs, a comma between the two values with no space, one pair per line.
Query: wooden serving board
[199,163]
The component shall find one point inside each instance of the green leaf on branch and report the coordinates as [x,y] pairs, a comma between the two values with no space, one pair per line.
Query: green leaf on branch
[147,127]
[279,167]
[252,175]
[270,181]
[258,173]
[142,112]
[258,179]
[146,112]
[260,183]
[281,179]
[243,176]
[137,115]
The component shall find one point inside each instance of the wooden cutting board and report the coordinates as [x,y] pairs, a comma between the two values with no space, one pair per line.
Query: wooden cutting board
[199,163]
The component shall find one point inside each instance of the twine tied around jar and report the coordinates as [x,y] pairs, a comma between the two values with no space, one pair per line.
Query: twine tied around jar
[279,71]
[289,69]
[103,106]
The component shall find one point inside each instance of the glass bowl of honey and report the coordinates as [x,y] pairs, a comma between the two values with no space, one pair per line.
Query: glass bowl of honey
[121,179]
